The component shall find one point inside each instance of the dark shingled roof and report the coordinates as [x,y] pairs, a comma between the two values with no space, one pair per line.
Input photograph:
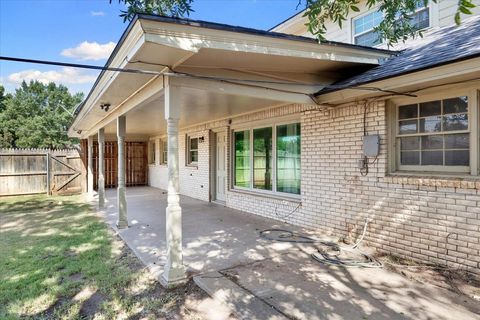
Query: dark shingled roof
[438,46]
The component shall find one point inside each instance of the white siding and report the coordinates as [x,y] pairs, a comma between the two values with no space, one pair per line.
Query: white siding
[441,14]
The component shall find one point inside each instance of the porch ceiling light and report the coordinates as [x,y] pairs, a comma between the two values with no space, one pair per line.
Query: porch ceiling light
[105,106]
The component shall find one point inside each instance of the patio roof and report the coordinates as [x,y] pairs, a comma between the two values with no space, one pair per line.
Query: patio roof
[218,66]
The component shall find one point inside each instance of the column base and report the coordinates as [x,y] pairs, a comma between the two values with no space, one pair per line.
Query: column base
[171,278]
[122,224]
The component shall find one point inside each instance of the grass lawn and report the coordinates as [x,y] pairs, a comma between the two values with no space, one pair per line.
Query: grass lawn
[59,260]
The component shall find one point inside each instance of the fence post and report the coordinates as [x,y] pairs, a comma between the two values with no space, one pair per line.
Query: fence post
[49,189]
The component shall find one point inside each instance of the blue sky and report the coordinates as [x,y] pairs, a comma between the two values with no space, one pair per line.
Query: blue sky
[85,31]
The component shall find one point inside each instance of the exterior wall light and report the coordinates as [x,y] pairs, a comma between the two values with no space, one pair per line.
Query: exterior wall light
[105,106]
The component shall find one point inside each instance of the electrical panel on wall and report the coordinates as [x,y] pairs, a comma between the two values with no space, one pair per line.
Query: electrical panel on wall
[371,145]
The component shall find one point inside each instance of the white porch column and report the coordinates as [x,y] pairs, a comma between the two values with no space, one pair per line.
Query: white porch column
[90,167]
[174,272]
[101,168]
[122,221]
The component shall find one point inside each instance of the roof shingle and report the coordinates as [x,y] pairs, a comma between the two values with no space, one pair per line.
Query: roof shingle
[438,46]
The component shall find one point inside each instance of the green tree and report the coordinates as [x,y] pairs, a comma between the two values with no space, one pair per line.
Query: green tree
[38,115]
[3,98]
[395,27]
[173,8]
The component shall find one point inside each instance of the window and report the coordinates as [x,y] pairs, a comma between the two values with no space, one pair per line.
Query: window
[192,151]
[273,164]
[364,35]
[164,151]
[242,159]
[262,158]
[288,158]
[421,18]
[151,153]
[363,26]
[434,135]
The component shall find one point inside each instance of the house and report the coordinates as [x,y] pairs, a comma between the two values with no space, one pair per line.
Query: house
[330,135]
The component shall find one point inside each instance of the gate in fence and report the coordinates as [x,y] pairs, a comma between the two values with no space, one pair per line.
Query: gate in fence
[33,171]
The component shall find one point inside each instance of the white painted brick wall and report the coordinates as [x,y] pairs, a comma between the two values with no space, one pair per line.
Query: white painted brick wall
[410,216]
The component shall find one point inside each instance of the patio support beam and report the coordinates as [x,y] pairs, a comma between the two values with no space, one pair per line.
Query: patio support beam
[101,168]
[90,167]
[174,272]
[243,89]
[122,221]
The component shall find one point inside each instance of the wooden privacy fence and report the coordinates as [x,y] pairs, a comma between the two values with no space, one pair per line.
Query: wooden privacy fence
[32,171]
[135,164]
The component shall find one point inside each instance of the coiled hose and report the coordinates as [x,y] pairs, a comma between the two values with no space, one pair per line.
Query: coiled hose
[331,254]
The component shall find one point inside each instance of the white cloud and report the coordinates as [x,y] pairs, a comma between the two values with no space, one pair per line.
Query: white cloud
[89,51]
[64,76]
[97,13]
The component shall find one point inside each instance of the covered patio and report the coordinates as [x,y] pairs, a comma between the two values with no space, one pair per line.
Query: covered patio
[168,75]
[214,237]
[193,86]
[263,279]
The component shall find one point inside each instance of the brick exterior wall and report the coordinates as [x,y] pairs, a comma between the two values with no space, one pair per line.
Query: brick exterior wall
[426,219]
[194,180]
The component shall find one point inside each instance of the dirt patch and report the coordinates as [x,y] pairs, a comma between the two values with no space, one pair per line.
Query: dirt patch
[50,312]
[70,253]
[91,305]
[78,276]
[461,282]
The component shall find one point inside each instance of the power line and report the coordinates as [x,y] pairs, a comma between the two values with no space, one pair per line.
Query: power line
[77,65]
[214,78]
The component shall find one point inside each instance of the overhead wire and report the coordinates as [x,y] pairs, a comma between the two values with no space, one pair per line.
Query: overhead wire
[172,72]
[254,83]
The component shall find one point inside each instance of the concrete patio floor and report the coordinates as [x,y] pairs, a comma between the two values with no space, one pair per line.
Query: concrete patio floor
[273,278]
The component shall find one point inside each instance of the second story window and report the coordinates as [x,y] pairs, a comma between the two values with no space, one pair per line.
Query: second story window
[421,18]
[363,26]
[363,32]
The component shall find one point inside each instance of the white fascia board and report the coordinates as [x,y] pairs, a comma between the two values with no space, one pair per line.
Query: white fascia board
[194,38]
[397,83]
[147,91]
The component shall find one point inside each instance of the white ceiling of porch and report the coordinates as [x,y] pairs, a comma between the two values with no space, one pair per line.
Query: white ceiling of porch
[197,106]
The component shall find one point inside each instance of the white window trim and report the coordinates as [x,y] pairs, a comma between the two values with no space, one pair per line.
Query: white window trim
[473,130]
[361,15]
[250,127]
[164,151]
[188,149]
[430,6]
[152,150]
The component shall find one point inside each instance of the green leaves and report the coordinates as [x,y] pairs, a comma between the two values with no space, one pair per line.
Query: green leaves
[36,116]
[173,8]
[396,26]
[464,7]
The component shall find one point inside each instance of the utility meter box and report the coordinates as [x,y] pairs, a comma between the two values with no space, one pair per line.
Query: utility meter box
[371,145]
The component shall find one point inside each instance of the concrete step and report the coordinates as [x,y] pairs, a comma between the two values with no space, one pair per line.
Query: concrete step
[241,302]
